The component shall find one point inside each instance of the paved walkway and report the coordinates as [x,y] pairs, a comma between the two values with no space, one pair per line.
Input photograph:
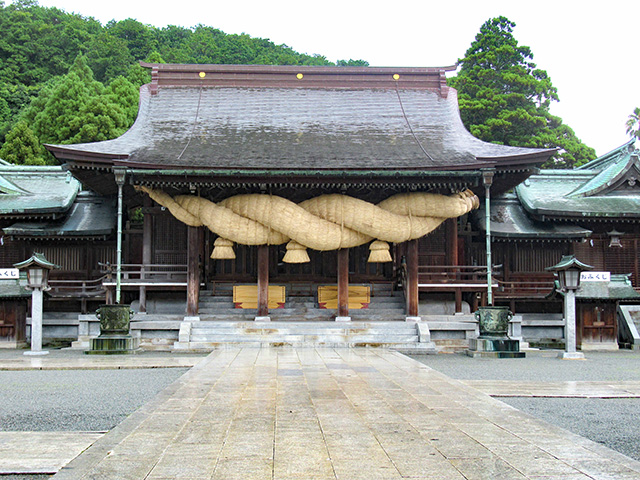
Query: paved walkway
[73,360]
[41,452]
[506,388]
[288,413]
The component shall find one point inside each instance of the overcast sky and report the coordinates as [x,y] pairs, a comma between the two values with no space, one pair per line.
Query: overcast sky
[590,52]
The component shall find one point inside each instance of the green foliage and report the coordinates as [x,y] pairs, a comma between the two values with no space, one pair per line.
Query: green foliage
[633,124]
[38,43]
[139,38]
[22,147]
[504,98]
[80,109]
[352,63]
[108,57]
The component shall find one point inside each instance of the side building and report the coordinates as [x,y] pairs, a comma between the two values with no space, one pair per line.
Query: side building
[592,212]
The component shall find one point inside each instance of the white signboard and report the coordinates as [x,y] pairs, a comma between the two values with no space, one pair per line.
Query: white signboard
[595,276]
[9,273]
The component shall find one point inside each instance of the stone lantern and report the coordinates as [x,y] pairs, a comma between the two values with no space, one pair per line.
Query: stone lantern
[38,268]
[568,271]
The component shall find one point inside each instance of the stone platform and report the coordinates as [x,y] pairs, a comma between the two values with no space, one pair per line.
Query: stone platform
[330,413]
[494,347]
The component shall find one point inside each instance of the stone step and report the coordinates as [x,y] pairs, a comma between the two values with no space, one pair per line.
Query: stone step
[302,331]
[451,345]
[209,346]
[206,335]
[303,325]
[229,310]
[305,338]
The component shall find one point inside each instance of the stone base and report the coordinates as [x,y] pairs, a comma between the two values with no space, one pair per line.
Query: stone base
[12,344]
[413,319]
[599,346]
[262,319]
[113,345]
[571,356]
[495,347]
[37,353]
[343,319]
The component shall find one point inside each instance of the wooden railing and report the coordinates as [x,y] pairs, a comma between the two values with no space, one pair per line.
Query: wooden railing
[133,274]
[525,285]
[466,277]
[77,289]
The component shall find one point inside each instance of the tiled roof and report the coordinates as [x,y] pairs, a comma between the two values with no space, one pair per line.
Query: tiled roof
[35,191]
[14,287]
[610,189]
[347,125]
[509,221]
[89,216]
[619,288]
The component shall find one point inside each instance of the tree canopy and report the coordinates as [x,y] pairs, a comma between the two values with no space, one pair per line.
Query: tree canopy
[633,124]
[505,98]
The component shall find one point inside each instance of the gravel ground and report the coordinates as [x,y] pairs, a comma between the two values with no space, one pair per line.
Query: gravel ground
[612,422]
[77,400]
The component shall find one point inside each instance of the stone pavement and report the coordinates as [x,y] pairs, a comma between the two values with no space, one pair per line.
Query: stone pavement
[312,413]
[11,359]
[577,389]
[41,452]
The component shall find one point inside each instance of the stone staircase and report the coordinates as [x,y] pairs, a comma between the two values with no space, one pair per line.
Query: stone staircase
[299,307]
[207,336]
[300,323]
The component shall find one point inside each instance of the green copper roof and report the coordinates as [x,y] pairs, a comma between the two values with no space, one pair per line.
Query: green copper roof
[509,221]
[619,288]
[31,191]
[603,161]
[609,188]
[14,287]
[90,216]
[608,177]
[567,262]
[37,259]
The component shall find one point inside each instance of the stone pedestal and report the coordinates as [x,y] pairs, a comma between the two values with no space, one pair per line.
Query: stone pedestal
[113,345]
[493,340]
[114,338]
[497,347]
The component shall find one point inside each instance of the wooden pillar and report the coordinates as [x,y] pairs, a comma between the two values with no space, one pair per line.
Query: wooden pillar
[452,241]
[451,226]
[412,278]
[343,283]
[147,233]
[193,271]
[263,280]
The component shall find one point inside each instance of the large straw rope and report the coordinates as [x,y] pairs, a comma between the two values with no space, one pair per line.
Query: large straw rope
[327,222]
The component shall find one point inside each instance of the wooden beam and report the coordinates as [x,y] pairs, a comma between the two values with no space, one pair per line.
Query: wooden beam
[263,280]
[412,278]
[343,282]
[193,270]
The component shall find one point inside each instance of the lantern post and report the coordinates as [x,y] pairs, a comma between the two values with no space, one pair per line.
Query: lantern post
[38,268]
[568,271]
